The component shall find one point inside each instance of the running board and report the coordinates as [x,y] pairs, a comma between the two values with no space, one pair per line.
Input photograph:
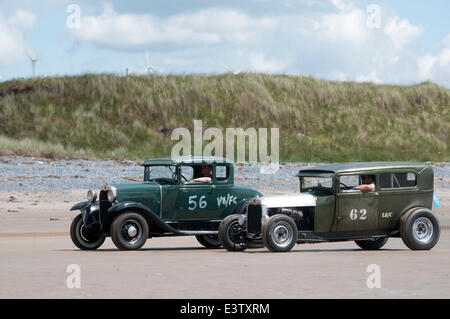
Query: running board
[197,232]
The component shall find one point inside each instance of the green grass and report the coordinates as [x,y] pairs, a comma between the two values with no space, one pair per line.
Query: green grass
[107,116]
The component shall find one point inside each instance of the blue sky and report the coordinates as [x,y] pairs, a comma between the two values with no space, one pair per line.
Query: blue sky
[395,41]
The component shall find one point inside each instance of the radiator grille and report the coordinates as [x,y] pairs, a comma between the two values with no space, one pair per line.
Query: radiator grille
[254,214]
[104,204]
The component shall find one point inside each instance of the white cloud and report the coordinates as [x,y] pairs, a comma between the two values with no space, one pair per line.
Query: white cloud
[402,32]
[23,20]
[425,64]
[260,63]
[13,45]
[204,27]
[444,57]
[347,24]
[446,41]
[436,67]
[343,5]
[328,39]
[368,77]
[332,40]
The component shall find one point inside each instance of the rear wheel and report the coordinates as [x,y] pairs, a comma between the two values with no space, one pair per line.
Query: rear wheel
[420,229]
[231,234]
[280,234]
[372,244]
[129,231]
[209,241]
[82,238]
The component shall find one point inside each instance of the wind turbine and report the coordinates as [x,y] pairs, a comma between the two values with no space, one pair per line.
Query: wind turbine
[148,68]
[33,60]
[230,70]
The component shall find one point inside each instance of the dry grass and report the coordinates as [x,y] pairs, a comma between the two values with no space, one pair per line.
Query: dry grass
[100,116]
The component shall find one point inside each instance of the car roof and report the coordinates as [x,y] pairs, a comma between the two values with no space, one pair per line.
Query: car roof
[188,160]
[362,166]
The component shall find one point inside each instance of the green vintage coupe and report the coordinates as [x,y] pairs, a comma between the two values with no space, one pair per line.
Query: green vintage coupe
[178,196]
[364,202]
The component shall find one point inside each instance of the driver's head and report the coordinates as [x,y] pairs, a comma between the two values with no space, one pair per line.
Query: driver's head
[367,179]
[206,171]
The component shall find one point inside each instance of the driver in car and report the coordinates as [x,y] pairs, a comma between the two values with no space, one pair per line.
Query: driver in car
[206,174]
[368,183]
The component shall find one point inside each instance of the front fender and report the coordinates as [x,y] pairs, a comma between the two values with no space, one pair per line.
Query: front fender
[147,213]
[84,208]
[90,214]
[81,206]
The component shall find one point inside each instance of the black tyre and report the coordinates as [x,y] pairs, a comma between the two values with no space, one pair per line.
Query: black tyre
[372,244]
[255,243]
[129,231]
[280,233]
[209,241]
[231,234]
[82,238]
[420,229]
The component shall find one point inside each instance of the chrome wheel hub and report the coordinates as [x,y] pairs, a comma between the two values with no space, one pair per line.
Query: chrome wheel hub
[423,229]
[132,231]
[282,235]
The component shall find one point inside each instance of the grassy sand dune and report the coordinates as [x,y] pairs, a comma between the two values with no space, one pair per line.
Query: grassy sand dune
[108,116]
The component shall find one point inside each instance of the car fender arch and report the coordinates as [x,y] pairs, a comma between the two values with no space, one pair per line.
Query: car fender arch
[150,216]
[240,207]
[80,206]
[86,209]
[405,215]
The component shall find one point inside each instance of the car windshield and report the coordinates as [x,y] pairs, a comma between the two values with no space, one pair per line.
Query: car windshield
[160,172]
[316,184]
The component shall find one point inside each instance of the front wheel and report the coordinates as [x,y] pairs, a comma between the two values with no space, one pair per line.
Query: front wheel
[280,234]
[231,234]
[420,229]
[372,244]
[129,231]
[83,238]
[209,241]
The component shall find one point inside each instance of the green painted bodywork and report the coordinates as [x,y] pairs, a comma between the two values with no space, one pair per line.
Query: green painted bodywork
[187,202]
[376,210]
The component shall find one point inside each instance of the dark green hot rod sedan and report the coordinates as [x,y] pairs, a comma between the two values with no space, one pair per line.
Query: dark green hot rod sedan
[180,196]
[364,202]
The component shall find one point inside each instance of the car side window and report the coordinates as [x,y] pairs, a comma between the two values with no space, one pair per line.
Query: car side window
[187,172]
[198,173]
[348,182]
[222,173]
[398,180]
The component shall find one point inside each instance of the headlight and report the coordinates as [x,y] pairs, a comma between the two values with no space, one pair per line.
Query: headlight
[112,194]
[91,196]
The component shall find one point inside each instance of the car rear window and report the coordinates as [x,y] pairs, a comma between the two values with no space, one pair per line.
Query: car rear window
[398,180]
[222,173]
